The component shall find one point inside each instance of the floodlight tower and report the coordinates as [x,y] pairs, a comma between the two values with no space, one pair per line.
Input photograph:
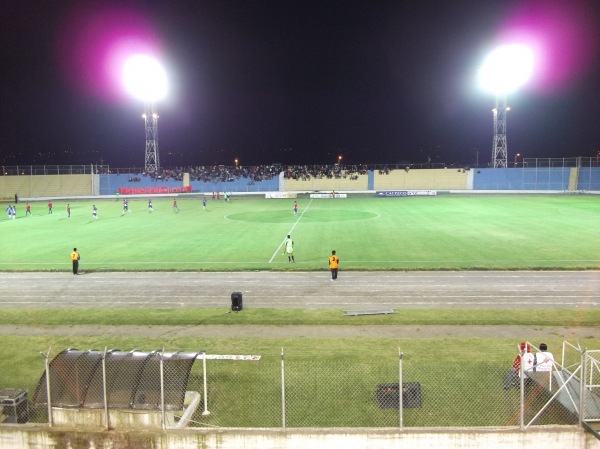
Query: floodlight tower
[499,147]
[145,79]
[152,162]
[503,71]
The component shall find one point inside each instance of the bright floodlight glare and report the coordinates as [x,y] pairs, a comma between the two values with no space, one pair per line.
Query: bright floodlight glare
[145,78]
[506,69]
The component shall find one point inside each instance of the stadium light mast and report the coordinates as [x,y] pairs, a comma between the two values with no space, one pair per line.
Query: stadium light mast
[145,79]
[152,160]
[503,71]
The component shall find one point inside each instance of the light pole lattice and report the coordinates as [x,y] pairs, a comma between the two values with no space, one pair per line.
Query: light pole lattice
[152,160]
[500,147]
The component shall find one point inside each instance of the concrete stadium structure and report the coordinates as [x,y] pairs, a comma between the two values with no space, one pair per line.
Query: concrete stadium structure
[550,179]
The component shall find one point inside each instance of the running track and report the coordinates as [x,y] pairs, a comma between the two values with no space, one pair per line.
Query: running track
[304,290]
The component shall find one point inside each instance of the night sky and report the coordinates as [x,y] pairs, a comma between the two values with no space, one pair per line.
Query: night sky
[295,82]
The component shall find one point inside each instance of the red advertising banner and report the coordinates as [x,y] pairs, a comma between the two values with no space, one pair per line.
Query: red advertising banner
[153,190]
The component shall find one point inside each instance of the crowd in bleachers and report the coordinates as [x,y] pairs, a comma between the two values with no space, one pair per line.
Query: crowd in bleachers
[335,171]
[222,173]
[218,173]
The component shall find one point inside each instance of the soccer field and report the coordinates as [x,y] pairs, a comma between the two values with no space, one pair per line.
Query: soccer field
[417,233]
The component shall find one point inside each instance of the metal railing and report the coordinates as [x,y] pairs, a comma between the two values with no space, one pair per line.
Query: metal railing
[18,170]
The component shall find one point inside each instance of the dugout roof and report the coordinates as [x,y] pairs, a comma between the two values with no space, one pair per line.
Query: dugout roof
[133,379]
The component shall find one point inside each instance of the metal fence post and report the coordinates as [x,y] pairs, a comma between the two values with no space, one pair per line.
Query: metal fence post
[162,391]
[400,391]
[204,386]
[522,386]
[48,396]
[104,392]
[282,391]
[582,385]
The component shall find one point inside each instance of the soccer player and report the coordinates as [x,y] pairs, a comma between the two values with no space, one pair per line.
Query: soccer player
[175,207]
[9,211]
[94,212]
[204,203]
[49,207]
[150,209]
[289,248]
[295,207]
[68,210]
[27,209]
[125,206]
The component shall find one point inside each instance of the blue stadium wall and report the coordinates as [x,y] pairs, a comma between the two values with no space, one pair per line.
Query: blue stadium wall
[110,183]
[589,178]
[521,178]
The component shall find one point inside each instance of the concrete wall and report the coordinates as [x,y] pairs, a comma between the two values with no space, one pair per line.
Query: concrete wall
[34,186]
[427,179]
[556,179]
[24,437]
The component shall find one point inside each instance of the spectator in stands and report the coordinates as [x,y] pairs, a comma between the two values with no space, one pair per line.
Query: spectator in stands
[544,360]
[515,370]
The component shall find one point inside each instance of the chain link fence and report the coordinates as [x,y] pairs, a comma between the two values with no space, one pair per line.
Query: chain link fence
[157,389]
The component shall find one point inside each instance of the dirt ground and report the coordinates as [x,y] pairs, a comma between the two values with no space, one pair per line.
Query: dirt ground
[380,331]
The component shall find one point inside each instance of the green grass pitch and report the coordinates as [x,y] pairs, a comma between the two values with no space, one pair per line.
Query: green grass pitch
[419,233]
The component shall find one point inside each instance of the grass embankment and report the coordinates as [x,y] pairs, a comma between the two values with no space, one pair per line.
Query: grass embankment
[195,317]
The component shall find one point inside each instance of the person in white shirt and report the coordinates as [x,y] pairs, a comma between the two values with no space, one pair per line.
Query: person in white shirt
[544,360]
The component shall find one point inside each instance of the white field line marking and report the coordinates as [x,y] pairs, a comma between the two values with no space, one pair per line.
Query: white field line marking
[290,231]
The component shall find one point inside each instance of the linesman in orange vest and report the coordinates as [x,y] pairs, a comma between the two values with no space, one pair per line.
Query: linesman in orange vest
[75,261]
[333,265]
